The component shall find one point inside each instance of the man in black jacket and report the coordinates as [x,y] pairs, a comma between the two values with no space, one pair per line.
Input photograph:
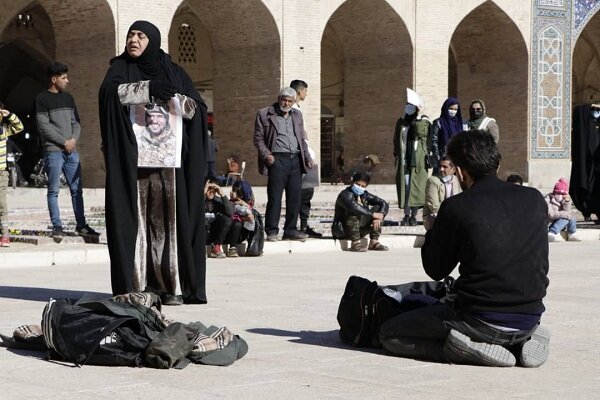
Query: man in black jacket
[358,213]
[496,231]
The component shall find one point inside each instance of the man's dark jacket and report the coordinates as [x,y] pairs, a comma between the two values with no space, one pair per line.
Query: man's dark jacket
[497,231]
[347,204]
[265,135]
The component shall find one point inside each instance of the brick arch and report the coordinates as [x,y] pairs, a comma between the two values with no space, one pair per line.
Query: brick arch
[238,64]
[366,65]
[586,63]
[80,34]
[492,64]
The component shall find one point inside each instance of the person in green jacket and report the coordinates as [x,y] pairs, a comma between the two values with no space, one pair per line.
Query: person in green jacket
[412,150]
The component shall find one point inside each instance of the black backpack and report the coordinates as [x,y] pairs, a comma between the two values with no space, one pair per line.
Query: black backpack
[363,308]
[256,241]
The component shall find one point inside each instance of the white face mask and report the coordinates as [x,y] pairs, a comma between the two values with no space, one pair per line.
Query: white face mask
[595,114]
[452,113]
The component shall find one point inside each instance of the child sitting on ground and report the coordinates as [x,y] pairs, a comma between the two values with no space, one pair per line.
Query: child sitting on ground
[243,218]
[559,213]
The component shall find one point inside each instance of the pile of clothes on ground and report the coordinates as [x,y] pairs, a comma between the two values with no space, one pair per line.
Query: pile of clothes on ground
[125,330]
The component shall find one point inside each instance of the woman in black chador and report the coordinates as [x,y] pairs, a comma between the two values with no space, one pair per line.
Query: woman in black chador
[154,216]
[585,157]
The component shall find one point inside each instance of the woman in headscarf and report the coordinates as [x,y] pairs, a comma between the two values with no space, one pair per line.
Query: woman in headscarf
[154,216]
[447,125]
[585,160]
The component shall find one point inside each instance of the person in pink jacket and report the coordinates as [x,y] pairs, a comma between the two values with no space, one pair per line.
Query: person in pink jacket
[559,213]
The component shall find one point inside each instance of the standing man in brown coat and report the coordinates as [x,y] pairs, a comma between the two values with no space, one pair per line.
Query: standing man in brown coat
[282,156]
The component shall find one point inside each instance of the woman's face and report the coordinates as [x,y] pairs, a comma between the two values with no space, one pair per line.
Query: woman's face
[137,41]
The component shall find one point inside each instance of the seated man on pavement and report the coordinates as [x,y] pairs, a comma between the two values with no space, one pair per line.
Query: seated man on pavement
[497,232]
[358,213]
[438,188]
[218,211]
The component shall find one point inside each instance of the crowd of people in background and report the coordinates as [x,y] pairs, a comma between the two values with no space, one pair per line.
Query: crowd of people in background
[447,167]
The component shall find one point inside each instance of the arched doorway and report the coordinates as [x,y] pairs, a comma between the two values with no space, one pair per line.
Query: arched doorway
[366,65]
[80,34]
[25,51]
[586,64]
[492,65]
[237,71]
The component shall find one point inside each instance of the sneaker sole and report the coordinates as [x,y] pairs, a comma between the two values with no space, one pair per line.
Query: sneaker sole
[478,353]
[536,350]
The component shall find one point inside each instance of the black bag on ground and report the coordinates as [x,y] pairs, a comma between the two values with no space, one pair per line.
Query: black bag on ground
[365,306]
[256,242]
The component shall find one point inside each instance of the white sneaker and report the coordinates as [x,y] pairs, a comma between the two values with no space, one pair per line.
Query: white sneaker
[555,237]
[574,237]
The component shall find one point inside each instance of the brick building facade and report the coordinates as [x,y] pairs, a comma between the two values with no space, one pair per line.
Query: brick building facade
[530,61]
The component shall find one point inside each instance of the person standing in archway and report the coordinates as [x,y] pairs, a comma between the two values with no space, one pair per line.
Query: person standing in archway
[310,180]
[449,123]
[58,124]
[412,146]
[154,216]
[478,120]
[585,160]
[279,137]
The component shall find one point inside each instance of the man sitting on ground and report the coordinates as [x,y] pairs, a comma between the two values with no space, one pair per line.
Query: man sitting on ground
[497,232]
[437,189]
[359,213]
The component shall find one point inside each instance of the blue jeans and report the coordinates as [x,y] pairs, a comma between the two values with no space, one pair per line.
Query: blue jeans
[562,223]
[57,161]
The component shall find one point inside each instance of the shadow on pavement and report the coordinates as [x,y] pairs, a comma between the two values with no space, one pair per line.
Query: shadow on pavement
[44,294]
[315,338]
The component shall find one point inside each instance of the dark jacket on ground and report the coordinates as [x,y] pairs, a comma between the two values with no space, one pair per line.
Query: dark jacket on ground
[497,231]
[347,204]
[265,135]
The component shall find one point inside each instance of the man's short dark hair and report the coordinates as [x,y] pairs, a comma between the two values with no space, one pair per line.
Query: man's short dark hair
[361,176]
[475,152]
[57,69]
[298,84]
[515,179]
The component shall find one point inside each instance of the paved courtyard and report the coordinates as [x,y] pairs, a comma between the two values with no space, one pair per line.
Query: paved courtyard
[285,306]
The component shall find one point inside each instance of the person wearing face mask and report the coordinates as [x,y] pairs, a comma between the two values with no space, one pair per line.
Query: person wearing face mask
[280,138]
[412,151]
[154,221]
[358,213]
[478,120]
[449,123]
[439,187]
[585,160]
[559,213]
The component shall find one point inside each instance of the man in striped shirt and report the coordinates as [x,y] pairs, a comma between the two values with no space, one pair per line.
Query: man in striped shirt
[9,125]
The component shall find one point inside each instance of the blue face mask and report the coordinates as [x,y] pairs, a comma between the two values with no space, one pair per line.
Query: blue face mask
[357,190]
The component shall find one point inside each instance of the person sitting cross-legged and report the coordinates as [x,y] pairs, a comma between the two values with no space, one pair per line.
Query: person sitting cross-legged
[358,213]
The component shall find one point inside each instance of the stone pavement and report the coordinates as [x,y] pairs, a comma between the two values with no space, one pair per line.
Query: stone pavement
[285,306]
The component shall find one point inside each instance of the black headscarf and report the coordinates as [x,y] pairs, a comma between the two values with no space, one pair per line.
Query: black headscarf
[120,156]
[149,63]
